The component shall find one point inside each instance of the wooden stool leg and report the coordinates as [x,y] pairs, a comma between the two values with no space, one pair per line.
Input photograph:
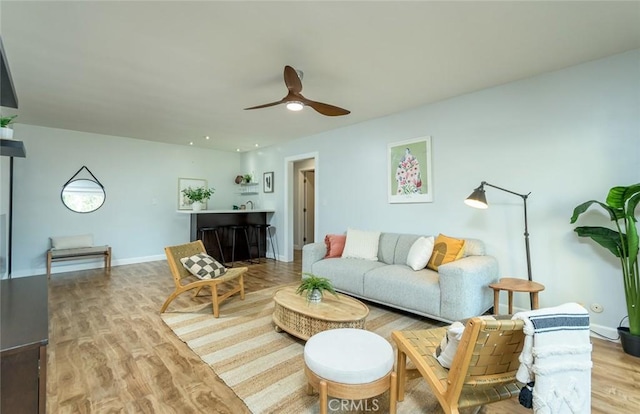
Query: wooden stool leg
[323,397]
[310,390]
[496,301]
[401,368]
[393,393]
[510,302]
[534,296]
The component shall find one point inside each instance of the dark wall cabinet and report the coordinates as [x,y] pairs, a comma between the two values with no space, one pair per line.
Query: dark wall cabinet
[24,337]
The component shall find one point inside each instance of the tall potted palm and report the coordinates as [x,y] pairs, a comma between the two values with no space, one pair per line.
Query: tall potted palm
[621,205]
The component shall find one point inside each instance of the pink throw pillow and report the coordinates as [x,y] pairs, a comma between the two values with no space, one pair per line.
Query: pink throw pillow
[335,244]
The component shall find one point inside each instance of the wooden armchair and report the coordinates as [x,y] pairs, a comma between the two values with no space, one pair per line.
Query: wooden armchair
[483,369]
[175,253]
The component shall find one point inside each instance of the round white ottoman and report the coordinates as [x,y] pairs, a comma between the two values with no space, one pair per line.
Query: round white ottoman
[349,363]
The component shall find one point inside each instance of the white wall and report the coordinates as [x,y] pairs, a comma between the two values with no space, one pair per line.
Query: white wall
[566,137]
[138,218]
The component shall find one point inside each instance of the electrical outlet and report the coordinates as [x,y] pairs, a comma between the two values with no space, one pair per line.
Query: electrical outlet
[597,308]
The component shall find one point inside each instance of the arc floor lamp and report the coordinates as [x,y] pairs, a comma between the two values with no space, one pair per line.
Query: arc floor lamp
[477,199]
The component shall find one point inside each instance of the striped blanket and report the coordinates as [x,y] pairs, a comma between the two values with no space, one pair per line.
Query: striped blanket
[557,357]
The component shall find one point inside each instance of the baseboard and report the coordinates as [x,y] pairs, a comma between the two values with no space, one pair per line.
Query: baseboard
[97,263]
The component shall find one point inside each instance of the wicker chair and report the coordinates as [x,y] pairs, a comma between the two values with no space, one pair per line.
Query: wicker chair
[483,369]
[175,253]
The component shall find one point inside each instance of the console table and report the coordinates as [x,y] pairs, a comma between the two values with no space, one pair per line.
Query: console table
[24,326]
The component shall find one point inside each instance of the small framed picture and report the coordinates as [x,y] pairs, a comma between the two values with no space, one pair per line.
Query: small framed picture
[267,182]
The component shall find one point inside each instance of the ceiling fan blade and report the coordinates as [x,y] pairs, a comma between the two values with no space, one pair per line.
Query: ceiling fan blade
[292,80]
[326,109]
[266,105]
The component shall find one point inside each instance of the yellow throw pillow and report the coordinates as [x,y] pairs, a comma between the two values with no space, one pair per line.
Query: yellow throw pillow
[445,250]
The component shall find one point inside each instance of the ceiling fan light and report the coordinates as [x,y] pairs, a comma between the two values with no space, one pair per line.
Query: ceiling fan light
[295,106]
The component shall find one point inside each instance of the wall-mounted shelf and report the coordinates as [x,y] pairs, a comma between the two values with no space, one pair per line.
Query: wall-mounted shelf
[249,188]
[12,148]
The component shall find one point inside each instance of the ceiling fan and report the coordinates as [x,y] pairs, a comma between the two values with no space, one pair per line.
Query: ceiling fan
[295,101]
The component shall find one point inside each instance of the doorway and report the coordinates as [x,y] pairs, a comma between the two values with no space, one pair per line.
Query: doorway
[308,208]
[301,202]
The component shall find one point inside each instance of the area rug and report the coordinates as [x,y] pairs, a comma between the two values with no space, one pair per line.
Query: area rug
[265,368]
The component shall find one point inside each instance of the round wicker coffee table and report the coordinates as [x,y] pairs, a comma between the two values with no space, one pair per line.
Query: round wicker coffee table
[293,314]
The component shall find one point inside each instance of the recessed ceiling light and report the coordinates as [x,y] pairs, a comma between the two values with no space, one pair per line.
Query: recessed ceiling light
[237,149]
[207,137]
[191,143]
[295,106]
[257,145]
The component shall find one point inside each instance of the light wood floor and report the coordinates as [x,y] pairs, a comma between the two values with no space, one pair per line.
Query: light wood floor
[109,351]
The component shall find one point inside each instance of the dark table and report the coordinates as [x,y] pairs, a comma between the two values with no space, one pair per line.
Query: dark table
[24,335]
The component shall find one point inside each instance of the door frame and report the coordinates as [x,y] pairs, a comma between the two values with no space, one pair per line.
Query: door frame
[289,193]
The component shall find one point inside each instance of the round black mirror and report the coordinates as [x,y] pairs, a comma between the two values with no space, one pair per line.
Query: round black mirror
[83,195]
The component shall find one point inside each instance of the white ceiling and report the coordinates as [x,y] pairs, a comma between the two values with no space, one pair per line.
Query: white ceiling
[178,71]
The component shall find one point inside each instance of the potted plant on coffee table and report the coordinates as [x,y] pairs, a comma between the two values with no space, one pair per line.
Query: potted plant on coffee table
[621,204]
[314,286]
[198,196]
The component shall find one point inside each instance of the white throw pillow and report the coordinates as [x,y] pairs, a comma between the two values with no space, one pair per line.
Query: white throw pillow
[420,253]
[72,242]
[361,244]
[449,344]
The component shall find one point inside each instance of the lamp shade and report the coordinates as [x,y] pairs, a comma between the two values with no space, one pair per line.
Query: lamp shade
[477,199]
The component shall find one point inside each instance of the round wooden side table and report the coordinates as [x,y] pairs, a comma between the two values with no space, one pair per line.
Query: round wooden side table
[511,285]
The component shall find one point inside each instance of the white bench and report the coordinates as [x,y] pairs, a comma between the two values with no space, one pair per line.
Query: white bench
[76,247]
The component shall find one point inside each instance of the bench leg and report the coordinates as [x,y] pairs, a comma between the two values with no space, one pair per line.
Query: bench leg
[107,260]
[49,265]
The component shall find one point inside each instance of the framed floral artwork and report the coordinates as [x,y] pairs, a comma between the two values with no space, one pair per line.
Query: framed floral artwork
[410,171]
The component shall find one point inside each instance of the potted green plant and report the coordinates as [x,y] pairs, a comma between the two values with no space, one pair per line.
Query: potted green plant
[198,196]
[621,205]
[247,178]
[5,131]
[314,286]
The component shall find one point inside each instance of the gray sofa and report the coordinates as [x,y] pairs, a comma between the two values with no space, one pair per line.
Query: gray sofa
[456,291]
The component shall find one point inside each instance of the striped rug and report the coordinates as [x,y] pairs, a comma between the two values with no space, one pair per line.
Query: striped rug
[265,368]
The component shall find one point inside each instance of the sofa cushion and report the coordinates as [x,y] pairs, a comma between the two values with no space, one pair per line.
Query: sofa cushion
[345,274]
[361,244]
[335,244]
[474,247]
[387,247]
[420,253]
[405,241]
[445,250]
[402,287]
[72,242]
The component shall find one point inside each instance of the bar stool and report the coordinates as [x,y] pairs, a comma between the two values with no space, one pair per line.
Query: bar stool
[204,231]
[257,235]
[244,229]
